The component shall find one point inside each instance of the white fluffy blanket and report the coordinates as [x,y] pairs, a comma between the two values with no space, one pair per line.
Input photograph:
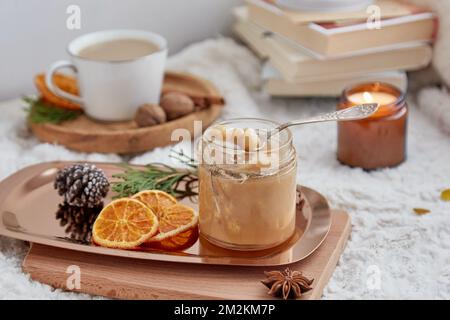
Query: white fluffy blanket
[442,45]
[433,101]
[410,252]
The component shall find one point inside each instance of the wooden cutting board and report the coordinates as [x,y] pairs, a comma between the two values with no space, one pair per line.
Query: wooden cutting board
[87,135]
[139,279]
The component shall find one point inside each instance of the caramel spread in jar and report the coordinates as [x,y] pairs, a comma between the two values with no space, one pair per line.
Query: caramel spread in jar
[247,189]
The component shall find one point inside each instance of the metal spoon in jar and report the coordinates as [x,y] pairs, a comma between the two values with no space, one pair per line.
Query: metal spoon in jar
[358,112]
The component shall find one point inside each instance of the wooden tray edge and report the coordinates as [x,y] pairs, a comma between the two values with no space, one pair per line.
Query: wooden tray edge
[106,286]
[334,259]
[131,140]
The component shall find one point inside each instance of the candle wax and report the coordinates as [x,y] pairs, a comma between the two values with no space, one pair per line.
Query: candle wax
[382,98]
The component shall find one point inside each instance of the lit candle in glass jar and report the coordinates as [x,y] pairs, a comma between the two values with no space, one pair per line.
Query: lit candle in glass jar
[380,140]
[382,98]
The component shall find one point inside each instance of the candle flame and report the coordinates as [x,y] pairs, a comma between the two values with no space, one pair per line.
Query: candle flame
[368,98]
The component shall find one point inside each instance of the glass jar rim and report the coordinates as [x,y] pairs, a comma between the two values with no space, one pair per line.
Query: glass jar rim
[273,123]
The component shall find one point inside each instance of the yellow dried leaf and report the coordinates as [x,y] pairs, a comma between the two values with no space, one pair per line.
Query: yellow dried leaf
[445,195]
[421,211]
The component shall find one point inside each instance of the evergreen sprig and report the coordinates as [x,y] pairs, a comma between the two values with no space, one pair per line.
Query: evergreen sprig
[180,183]
[41,112]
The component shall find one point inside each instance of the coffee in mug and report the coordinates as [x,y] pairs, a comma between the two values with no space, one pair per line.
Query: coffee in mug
[118,50]
[117,71]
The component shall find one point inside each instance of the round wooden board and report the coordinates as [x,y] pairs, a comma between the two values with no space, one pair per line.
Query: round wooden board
[87,135]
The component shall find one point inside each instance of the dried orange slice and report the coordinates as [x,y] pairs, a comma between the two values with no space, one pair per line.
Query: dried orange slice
[174,220]
[178,242]
[155,200]
[63,82]
[125,224]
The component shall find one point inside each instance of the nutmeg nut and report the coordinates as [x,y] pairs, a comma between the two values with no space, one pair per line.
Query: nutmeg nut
[149,115]
[176,105]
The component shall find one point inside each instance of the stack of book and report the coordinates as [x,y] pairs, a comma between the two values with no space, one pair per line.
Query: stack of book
[321,53]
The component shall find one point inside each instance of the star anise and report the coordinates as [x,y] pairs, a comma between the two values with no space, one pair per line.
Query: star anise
[287,284]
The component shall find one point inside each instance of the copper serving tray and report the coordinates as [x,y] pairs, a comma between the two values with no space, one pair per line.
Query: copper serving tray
[28,204]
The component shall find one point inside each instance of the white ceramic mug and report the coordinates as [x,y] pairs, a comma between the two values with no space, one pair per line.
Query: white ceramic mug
[113,90]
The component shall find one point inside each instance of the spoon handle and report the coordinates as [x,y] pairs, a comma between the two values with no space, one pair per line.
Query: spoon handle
[353,113]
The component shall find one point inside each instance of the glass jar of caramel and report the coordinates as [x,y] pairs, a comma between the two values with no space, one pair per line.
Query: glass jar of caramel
[380,140]
[247,185]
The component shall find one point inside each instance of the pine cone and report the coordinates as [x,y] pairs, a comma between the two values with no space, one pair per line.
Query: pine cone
[82,185]
[78,221]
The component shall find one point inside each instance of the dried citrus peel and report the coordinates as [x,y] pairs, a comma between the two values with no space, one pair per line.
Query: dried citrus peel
[156,200]
[65,83]
[178,242]
[124,223]
[175,220]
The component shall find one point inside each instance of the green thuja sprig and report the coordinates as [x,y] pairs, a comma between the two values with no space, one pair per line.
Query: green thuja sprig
[180,183]
[40,112]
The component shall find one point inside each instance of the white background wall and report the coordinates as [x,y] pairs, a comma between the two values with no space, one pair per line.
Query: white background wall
[33,33]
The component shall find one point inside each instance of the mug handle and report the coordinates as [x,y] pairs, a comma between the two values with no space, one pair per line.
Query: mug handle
[54,88]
